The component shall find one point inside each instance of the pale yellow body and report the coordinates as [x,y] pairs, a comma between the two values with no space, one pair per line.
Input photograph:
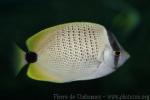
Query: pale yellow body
[68,52]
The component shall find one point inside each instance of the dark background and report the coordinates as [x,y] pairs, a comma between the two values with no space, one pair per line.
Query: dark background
[129,20]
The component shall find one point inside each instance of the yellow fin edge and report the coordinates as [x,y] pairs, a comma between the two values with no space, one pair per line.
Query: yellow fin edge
[37,73]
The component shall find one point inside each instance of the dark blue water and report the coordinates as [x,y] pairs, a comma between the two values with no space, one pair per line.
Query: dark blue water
[129,20]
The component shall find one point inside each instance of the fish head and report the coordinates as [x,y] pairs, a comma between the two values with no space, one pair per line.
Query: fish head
[123,57]
[113,56]
[120,55]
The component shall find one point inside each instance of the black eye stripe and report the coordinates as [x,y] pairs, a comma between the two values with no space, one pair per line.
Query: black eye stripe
[115,47]
[117,53]
[116,59]
[113,42]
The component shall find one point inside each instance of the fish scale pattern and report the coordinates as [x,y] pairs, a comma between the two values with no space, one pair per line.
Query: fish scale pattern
[75,48]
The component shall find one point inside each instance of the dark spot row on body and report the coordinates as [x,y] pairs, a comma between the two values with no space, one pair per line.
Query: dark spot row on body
[74,38]
[80,29]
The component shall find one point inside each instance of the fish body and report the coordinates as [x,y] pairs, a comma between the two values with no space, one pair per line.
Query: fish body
[71,52]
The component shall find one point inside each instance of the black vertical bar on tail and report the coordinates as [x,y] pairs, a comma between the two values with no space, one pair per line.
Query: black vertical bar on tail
[31,57]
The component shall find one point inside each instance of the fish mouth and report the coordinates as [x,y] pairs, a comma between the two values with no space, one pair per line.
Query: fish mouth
[123,58]
[127,55]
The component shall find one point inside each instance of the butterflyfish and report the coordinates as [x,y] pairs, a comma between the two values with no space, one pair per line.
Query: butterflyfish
[71,52]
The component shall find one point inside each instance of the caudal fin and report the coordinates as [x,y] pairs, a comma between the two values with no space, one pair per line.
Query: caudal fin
[18,59]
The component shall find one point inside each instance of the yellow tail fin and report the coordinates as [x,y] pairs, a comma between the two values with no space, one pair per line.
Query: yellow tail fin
[18,59]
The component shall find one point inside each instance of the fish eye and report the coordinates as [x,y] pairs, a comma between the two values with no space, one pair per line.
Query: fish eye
[117,53]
